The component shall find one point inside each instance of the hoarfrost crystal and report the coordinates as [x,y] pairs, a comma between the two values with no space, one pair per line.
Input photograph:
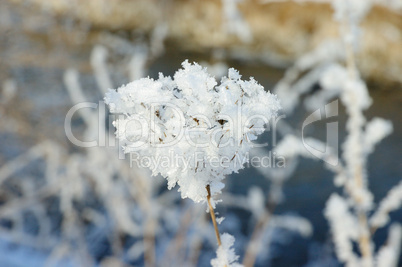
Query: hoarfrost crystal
[201,131]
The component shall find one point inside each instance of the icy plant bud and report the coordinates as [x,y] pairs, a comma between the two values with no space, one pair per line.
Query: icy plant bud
[189,129]
[225,254]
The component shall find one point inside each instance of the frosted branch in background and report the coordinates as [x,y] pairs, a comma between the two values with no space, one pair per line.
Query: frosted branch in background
[234,22]
[98,62]
[317,62]
[351,13]
[38,151]
[391,202]
[255,201]
[376,130]
[158,36]
[137,64]
[291,146]
[330,83]
[9,91]
[344,228]
[76,93]
[292,223]
[388,255]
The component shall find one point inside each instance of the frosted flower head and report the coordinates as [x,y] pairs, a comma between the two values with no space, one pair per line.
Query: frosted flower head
[189,129]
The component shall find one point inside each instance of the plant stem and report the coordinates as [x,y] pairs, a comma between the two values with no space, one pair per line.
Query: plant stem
[212,212]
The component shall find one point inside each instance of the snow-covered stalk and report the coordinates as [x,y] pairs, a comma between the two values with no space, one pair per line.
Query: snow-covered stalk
[355,98]
[355,163]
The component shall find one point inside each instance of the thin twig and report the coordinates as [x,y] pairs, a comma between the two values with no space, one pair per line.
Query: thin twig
[211,211]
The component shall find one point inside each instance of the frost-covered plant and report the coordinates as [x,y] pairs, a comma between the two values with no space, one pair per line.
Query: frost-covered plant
[210,127]
[361,139]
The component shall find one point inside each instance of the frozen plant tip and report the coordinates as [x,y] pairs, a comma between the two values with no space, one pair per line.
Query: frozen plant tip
[189,129]
[225,255]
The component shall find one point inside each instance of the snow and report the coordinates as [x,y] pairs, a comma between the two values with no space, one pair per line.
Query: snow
[225,254]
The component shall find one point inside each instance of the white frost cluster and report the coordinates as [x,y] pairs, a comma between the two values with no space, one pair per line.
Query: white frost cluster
[225,254]
[189,129]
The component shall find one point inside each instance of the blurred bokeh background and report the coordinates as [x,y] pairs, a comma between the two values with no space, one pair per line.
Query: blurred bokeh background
[62,205]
